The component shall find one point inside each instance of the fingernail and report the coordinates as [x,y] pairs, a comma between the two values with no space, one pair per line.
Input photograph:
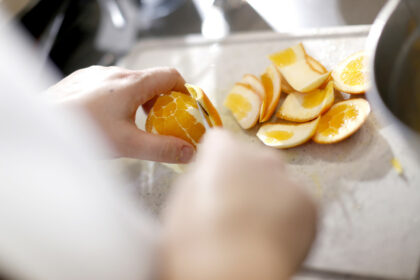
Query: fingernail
[187,153]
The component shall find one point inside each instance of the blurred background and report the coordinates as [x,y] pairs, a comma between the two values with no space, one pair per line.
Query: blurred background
[79,33]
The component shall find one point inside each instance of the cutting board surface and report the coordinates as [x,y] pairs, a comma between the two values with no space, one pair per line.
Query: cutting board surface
[369,222]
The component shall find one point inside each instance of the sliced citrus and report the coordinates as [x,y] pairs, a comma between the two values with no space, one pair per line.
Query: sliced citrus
[271,81]
[254,83]
[176,114]
[303,107]
[283,136]
[350,75]
[316,65]
[285,87]
[199,95]
[342,120]
[244,104]
[295,68]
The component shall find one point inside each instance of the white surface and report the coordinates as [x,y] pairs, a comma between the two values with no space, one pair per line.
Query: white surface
[370,222]
[284,15]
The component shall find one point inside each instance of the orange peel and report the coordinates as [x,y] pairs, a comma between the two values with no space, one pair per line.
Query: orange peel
[282,136]
[303,107]
[342,120]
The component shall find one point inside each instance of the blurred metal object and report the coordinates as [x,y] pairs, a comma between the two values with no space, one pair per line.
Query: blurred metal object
[214,24]
[15,7]
[394,49]
[121,20]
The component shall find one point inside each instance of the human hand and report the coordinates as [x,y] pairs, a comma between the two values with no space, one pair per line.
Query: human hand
[111,96]
[236,215]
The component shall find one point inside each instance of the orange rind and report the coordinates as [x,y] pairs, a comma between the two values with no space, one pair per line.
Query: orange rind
[199,95]
[282,136]
[350,75]
[303,107]
[301,75]
[342,120]
[271,81]
[255,84]
[244,104]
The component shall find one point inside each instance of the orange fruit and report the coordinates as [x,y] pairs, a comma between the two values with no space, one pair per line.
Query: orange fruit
[177,114]
[281,136]
[244,104]
[211,112]
[303,107]
[350,75]
[255,84]
[271,81]
[301,75]
[342,120]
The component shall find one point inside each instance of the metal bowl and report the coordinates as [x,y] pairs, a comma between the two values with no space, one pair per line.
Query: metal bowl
[394,50]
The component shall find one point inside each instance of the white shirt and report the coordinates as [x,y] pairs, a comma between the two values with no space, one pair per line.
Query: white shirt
[62,215]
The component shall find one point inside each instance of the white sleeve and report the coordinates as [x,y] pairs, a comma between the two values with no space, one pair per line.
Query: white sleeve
[62,215]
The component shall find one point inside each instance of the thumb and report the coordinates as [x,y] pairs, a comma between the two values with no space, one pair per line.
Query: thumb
[147,146]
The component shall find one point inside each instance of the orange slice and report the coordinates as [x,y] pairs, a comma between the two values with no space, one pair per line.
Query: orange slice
[199,95]
[295,68]
[255,84]
[283,136]
[176,114]
[244,104]
[342,120]
[350,75]
[271,81]
[303,107]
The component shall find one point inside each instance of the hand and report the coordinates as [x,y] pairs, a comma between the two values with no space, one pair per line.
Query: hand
[236,215]
[111,96]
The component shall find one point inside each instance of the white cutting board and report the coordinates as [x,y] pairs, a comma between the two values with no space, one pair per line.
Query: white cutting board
[370,216]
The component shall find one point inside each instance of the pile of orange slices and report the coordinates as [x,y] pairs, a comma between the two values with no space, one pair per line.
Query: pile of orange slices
[308,111]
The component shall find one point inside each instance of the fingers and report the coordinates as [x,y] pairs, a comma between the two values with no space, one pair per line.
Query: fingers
[147,146]
[155,81]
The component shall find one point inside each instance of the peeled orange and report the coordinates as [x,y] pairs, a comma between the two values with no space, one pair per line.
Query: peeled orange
[342,120]
[177,114]
[244,104]
[303,107]
[350,75]
[283,136]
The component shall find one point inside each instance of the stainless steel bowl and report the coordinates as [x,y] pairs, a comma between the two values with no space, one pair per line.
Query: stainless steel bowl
[394,51]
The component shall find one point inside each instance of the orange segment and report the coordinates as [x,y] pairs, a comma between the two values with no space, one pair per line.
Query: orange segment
[278,135]
[342,120]
[303,107]
[350,75]
[238,104]
[286,135]
[176,115]
[244,104]
[302,72]
[271,81]
[283,58]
